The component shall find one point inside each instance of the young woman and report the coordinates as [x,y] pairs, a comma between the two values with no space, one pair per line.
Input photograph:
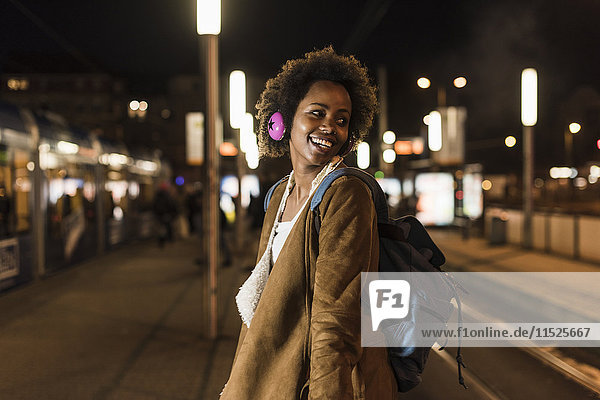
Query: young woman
[300,307]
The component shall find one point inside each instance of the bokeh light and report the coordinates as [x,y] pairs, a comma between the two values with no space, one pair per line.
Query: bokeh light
[389,137]
[423,83]
[574,127]
[510,141]
[460,82]
[134,105]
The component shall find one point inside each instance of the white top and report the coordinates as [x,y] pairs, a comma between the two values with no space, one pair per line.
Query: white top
[249,295]
[282,231]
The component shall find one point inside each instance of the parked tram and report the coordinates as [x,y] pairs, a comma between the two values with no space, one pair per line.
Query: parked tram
[66,195]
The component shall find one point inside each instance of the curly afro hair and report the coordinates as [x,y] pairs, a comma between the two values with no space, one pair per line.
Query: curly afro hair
[284,92]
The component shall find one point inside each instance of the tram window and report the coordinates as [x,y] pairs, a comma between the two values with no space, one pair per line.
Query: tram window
[15,187]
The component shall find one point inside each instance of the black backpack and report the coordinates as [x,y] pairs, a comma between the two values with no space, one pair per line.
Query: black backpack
[404,246]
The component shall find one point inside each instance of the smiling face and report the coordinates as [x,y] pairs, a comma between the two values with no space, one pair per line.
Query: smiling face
[320,126]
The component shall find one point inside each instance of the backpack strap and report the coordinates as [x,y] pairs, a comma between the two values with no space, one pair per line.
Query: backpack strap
[376,191]
[272,189]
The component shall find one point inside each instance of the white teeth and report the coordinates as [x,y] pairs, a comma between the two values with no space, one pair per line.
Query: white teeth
[321,142]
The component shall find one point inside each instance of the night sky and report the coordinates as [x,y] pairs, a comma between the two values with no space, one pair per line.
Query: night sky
[488,42]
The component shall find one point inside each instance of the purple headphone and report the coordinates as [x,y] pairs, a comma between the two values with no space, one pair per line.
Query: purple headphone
[276,126]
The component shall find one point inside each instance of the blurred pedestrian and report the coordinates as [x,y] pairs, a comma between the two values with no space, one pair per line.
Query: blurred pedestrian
[193,207]
[224,235]
[165,212]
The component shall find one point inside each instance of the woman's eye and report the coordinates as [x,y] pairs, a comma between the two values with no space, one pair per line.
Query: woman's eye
[342,121]
[317,113]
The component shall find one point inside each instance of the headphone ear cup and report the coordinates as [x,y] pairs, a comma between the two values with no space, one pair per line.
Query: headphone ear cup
[347,147]
[276,127]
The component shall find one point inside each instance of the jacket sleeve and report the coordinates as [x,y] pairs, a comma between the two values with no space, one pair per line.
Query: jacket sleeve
[346,249]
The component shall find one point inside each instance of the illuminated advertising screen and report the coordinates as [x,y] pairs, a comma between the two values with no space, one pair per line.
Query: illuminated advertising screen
[435,194]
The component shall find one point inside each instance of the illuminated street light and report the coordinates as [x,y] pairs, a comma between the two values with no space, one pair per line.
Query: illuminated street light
[208,23]
[510,141]
[423,83]
[134,105]
[389,156]
[529,97]
[434,131]
[529,94]
[460,82]
[363,155]
[208,17]
[252,158]
[247,136]
[574,127]
[389,137]
[237,98]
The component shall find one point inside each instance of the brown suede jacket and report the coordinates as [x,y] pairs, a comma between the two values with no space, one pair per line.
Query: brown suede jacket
[304,339]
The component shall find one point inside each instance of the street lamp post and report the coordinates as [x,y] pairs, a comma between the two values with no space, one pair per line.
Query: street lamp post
[529,89]
[209,26]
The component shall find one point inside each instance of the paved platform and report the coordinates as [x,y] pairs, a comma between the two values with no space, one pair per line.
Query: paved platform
[127,325]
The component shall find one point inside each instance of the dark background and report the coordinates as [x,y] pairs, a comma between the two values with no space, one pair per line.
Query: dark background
[488,42]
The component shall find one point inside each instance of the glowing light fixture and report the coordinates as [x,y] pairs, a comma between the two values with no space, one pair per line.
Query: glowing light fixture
[252,158]
[143,105]
[237,98]
[389,137]
[510,141]
[434,132]
[486,185]
[423,83]
[574,127]
[227,149]
[460,82]
[427,119]
[67,147]
[134,105]
[529,88]
[363,155]
[563,172]
[389,156]
[208,17]
[417,146]
[247,136]
[403,147]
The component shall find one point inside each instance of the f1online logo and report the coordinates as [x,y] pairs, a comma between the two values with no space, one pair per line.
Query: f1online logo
[389,300]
